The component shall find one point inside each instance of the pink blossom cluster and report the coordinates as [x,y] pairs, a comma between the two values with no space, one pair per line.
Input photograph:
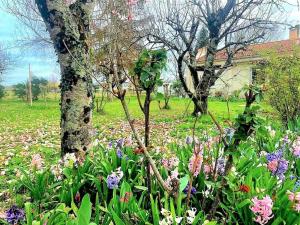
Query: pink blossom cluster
[295,199]
[208,169]
[170,163]
[196,163]
[132,2]
[37,162]
[296,147]
[262,209]
[69,2]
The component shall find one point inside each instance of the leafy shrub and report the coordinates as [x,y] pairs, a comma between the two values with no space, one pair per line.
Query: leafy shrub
[282,78]
[20,90]
[38,85]
[2,91]
[178,89]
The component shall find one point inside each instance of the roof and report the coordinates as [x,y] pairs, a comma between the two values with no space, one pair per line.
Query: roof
[255,50]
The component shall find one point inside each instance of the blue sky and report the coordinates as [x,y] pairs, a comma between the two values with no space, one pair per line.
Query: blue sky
[43,63]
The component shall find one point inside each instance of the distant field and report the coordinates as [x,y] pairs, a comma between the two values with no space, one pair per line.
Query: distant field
[38,126]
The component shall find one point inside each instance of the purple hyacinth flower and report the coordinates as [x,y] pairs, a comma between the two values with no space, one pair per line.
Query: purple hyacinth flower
[113,181]
[281,168]
[193,190]
[275,155]
[297,185]
[221,166]
[189,140]
[120,143]
[110,145]
[14,215]
[119,153]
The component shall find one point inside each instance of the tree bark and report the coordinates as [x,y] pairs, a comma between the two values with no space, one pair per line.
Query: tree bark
[200,94]
[200,105]
[147,135]
[69,26]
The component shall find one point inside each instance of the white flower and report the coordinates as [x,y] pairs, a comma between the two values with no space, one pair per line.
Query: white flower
[192,212]
[69,160]
[119,173]
[165,212]
[56,170]
[272,133]
[190,220]
[178,219]
[96,143]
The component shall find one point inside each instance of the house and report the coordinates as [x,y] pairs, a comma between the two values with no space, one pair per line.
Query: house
[243,72]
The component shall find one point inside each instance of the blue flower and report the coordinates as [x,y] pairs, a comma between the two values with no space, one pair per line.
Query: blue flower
[282,168]
[221,166]
[14,215]
[119,153]
[112,181]
[120,143]
[277,164]
[189,140]
[193,190]
[114,178]
[275,155]
[297,185]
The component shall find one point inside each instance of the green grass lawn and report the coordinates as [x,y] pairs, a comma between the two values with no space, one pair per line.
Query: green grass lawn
[25,129]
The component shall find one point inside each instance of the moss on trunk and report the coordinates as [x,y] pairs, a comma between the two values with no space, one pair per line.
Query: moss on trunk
[68,26]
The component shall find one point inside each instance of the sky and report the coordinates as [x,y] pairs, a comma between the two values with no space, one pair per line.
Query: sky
[44,63]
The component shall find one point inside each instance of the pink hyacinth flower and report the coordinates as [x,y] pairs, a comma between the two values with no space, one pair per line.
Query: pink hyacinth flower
[37,162]
[272,166]
[195,163]
[262,209]
[291,196]
[297,207]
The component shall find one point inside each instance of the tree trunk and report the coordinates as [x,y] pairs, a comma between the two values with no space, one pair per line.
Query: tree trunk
[200,105]
[109,88]
[147,134]
[68,26]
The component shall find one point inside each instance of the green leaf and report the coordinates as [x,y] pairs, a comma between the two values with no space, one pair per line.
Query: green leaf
[116,218]
[155,212]
[85,211]
[142,188]
[243,203]
[183,182]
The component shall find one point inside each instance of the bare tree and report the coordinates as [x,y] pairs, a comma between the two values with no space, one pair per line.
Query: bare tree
[4,62]
[68,24]
[32,32]
[231,26]
[114,39]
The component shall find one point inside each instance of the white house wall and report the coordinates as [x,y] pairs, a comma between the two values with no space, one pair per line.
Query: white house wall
[234,78]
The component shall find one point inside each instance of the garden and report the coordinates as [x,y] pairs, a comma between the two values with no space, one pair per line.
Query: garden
[117,143]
